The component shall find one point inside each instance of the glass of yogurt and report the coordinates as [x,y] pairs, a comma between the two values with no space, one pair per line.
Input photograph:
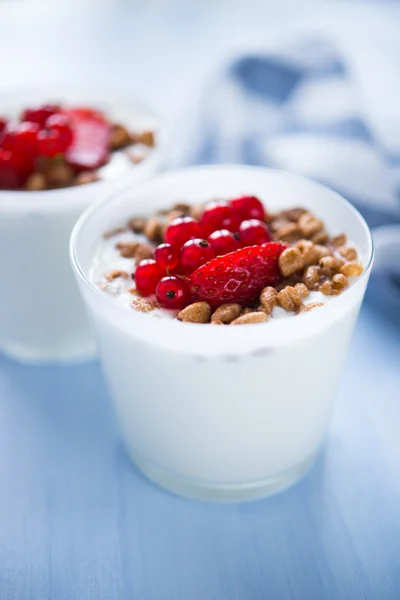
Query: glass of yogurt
[42,318]
[220,412]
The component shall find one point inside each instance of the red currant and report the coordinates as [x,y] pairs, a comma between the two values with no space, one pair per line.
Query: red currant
[147,275]
[166,256]
[224,241]
[25,138]
[8,138]
[50,142]
[14,169]
[21,137]
[3,124]
[172,293]
[248,207]
[253,233]
[40,115]
[62,124]
[194,254]
[219,215]
[181,230]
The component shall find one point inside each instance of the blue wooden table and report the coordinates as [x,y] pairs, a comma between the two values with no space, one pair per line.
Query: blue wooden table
[78,522]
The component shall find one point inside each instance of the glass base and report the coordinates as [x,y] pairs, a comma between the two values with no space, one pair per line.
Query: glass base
[28,355]
[195,490]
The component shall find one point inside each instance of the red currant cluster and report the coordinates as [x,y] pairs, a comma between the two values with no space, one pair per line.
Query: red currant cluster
[43,131]
[50,135]
[188,244]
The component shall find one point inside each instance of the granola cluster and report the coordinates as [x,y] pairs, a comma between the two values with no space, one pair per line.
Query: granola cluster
[313,261]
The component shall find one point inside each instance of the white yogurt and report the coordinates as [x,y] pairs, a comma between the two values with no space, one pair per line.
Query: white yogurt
[223,413]
[42,317]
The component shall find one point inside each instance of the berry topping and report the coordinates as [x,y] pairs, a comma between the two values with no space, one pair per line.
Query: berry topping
[50,142]
[236,277]
[8,173]
[248,207]
[219,215]
[253,233]
[224,241]
[62,124]
[9,134]
[180,230]
[91,136]
[195,253]
[84,113]
[14,169]
[166,256]
[147,275]
[3,124]
[40,115]
[25,138]
[172,293]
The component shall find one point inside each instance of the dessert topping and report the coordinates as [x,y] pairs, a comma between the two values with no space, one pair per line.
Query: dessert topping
[251,317]
[90,146]
[244,269]
[312,277]
[219,215]
[152,230]
[137,224]
[224,241]
[172,293]
[147,275]
[236,277]
[167,256]
[248,207]
[198,312]
[352,269]
[59,144]
[195,253]
[290,298]
[253,232]
[226,313]
[142,304]
[347,252]
[307,307]
[182,229]
[268,299]
[116,274]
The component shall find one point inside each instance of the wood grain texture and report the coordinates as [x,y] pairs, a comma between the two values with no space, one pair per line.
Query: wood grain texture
[78,522]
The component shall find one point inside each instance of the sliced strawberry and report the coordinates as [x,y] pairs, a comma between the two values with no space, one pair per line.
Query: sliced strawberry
[82,113]
[236,277]
[91,136]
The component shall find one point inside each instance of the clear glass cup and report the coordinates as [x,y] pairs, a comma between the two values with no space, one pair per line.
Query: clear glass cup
[222,413]
[42,317]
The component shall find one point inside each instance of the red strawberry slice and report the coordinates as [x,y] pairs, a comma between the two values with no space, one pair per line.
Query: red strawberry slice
[236,277]
[84,112]
[90,145]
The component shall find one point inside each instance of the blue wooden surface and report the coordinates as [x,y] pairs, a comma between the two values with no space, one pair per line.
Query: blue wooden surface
[78,522]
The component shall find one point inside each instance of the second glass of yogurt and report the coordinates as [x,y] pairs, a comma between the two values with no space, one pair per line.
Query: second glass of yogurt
[218,412]
[42,318]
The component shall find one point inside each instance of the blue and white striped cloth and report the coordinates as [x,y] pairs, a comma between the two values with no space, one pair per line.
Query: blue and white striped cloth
[296,108]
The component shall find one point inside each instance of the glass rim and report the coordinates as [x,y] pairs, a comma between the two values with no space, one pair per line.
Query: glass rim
[193,330]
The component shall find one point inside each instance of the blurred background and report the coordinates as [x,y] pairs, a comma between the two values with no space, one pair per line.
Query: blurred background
[165,51]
